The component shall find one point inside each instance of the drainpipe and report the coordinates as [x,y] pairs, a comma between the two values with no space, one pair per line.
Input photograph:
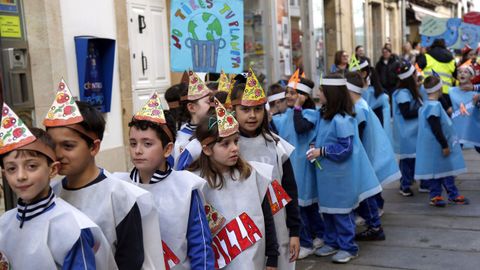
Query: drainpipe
[404,21]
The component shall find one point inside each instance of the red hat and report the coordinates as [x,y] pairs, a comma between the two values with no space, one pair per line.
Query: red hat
[466,49]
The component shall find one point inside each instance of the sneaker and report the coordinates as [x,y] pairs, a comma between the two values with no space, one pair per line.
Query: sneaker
[407,192]
[326,250]
[305,252]
[423,189]
[371,234]
[359,221]
[318,243]
[380,212]
[438,201]
[343,257]
[460,199]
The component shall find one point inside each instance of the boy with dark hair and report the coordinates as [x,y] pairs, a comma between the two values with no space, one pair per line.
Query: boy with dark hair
[123,211]
[185,231]
[43,232]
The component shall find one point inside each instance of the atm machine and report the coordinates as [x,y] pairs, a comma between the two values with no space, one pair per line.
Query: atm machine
[16,77]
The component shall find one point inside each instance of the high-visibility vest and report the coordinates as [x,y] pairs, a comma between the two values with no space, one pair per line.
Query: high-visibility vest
[445,71]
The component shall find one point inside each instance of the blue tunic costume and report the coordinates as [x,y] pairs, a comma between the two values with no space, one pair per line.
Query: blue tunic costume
[341,185]
[430,163]
[376,144]
[303,170]
[404,130]
[381,101]
[466,126]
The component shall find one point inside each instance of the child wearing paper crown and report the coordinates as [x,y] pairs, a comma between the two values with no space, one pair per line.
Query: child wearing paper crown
[127,217]
[347,177]
[43,232]
[406,101]
[465,111]
[299,132]
[439,155]
[277,103]
[379,152]
[195,105]
[258,143]
[185,232]
[235,197]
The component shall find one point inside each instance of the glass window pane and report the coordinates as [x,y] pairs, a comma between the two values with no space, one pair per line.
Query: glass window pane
[254,41]
[319,40]
[359,21]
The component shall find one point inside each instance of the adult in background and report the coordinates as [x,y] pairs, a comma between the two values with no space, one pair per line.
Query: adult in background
[407,53]
[439,59]
[360,53]
[384,69]
[341,63]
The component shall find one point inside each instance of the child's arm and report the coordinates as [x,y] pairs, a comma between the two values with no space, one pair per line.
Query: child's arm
[293,215]
[339,151]
[81,256]
[199,237]
[271,243]
[130,253]
[301,124]
[435,125]
[406,112]
[361,128]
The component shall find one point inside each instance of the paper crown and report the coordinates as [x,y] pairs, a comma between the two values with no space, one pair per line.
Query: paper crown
[295,79]
[197,89]
[227,124]
[152,111]
[468,65]
[64,112]
[14,134]
[253,95]
[224,83]
[356,65]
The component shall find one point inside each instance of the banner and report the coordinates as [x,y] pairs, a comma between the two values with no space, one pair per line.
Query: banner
[206,36]
[465,116]
[454,31]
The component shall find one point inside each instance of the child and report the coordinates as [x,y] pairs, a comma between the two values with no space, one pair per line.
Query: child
[379,152]
[127,218]
[181,215]
[44,232]
[439,156]
[195,105]
[347,177]
[236,193]
[172,96]
[258,143]
[277,104]
[465,111]
[300,135]
[406,101]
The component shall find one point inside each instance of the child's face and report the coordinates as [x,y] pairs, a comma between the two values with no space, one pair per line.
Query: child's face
[463,75]
[225,153]
[249,118]
[28,176]
[291,96]
[321,97]
[281,105]
[72,150]
[146,150]
[200,107]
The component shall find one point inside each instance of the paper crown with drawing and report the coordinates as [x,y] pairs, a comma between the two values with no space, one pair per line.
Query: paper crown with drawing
[152,111]
[197,88]
[253,95]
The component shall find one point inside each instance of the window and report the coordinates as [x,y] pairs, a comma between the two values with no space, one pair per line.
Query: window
[359,21]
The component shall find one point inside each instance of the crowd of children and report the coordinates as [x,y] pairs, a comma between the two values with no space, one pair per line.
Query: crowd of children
[229,177]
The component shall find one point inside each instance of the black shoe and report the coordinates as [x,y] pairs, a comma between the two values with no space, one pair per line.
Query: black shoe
[371,234]
[407,192]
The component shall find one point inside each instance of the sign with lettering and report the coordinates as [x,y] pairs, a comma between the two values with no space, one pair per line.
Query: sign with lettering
[454,31]
[206,35]
[238,235]
[277,196]
[169,257]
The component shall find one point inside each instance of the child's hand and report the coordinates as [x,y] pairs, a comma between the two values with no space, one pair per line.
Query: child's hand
[467,87]
[446,152]
[449,111]
[271,268]
[300,100]
[313,153]
[476,98]
[294,248]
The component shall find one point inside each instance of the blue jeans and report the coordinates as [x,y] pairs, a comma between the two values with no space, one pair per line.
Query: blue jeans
[380,200]
[407,167]
[368,210]
[340,232]
[447,182]
[312,225]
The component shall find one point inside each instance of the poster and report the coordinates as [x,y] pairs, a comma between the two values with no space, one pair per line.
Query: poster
[10,26]
[9,6]
[454,31]
[206,36]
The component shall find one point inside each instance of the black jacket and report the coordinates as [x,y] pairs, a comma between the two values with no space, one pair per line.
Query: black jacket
[386,74]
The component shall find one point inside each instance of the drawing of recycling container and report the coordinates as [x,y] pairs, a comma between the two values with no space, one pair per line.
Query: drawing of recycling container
[205,40]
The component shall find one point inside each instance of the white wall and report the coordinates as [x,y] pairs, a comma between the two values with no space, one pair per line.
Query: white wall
[93,18]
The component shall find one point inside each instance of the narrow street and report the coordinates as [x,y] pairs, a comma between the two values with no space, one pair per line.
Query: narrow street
[420,236]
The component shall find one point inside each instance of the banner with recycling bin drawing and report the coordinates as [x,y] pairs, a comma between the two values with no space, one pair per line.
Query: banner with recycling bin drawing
[206,35]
